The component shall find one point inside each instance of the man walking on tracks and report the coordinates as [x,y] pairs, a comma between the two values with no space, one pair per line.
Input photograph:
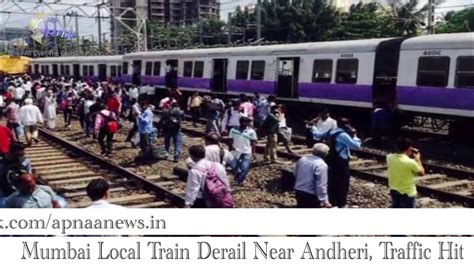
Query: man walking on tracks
[403,166]
[340,141]
[30,116]
[244,140]
[145,128]
[171,125]
[207,184]
[311,175]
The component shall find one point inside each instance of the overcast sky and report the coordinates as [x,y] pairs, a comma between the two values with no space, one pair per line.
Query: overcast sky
[88,26]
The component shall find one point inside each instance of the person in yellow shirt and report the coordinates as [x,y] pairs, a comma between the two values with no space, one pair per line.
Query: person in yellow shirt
[403,167]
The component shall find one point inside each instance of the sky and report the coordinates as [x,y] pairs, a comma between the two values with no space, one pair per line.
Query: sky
[88,26]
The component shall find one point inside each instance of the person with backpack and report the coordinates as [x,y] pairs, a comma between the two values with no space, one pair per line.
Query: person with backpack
[171,125]
[135,112]
[207,185]
[214,108]
[270,127]
[231,117]
[244,140]
[340,141]
[67,107]
[88,103]
[106,125]
[145,128]
[12,165]
[214,152]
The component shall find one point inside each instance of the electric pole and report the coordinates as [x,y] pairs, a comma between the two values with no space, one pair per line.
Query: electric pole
[76,17]
[259,26]
[431,16]
[100,27]
[229,28]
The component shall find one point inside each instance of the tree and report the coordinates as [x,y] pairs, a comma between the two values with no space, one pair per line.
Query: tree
[363,21]
[461,21]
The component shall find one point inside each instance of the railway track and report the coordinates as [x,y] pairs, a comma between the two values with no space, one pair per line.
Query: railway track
[68,168]
[442,182]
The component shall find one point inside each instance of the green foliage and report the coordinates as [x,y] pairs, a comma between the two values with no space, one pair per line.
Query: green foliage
[462,21]
[362,22]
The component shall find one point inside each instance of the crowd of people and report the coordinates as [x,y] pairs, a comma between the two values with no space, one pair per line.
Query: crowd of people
[102,108]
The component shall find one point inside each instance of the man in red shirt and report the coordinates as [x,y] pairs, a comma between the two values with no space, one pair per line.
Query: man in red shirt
[6,138]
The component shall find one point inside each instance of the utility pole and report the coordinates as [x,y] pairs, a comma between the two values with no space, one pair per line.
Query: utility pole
[100,27]
[200,31]
[115,30]
[259,23]
[56,44]
[76,17]
[229,28]
[431,16]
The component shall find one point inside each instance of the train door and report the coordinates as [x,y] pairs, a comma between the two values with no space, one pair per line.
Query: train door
[75,71]
[287,77]
[219,75]
[102,72]
[385,73]
[136,72]
[55,70]
[36,66]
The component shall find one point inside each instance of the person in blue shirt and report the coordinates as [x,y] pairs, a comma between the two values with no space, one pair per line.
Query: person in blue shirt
[341,140]
[145,128]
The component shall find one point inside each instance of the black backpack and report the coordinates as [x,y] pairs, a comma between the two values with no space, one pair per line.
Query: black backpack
[171,121]
[9,175]
[330,140]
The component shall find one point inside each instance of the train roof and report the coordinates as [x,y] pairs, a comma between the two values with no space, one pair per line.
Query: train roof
[440,41]
[356,46]
[108,58]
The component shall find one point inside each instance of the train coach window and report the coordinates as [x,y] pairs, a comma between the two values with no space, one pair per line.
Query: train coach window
[113,71]
[347,70]
[258,70]
[156,68]
[36,68]
[125,68]
[322,71]
[433,71]
[188,69]
[91,70]
[84,70]
[242,70]
[46,70]
[67,70]
[61,70]
[465,72]
[198,69]
[148,68]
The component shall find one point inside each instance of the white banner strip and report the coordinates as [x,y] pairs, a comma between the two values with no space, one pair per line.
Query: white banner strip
[343,251]
[236,222]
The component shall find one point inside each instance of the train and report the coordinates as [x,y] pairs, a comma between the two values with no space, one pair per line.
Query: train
[430,75]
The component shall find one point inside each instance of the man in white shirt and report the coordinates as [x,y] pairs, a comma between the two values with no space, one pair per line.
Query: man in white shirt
[214,152]
[244,140]
[133,94]
[98,192]
[30,117]
[19,93]
[324,123]
[196,177]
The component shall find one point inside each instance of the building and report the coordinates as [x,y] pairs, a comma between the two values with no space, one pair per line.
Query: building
[10,33]
[345,5]
[170,12]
